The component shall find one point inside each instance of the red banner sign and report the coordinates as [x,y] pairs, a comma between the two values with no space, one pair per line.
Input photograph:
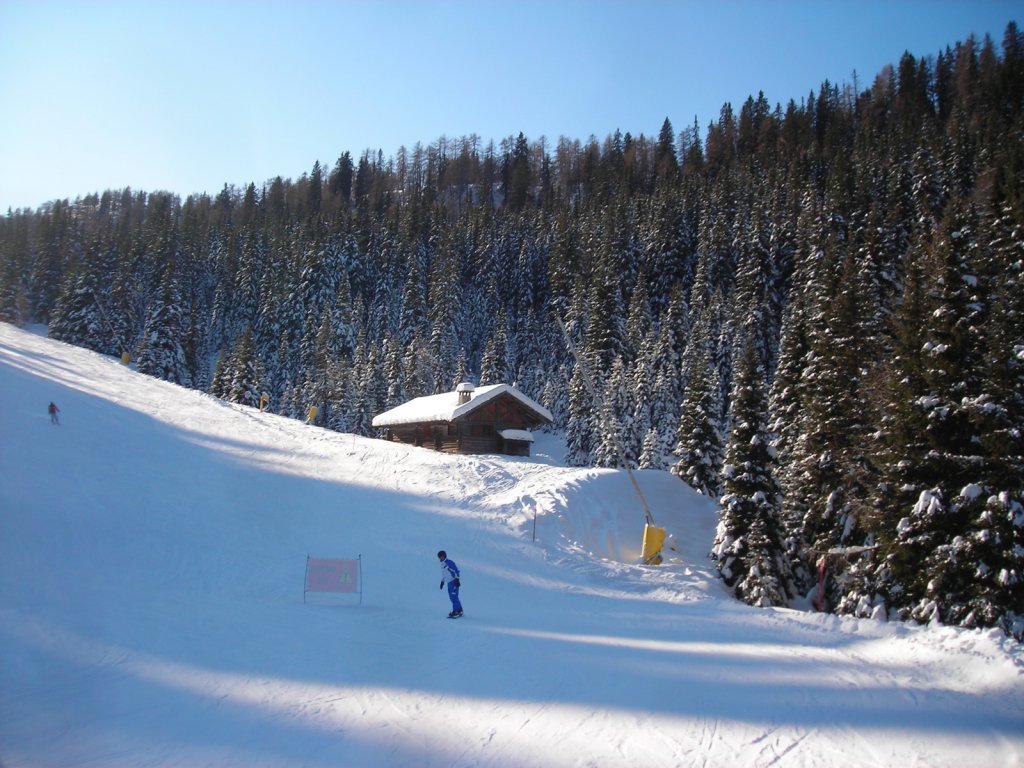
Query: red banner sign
[333,575]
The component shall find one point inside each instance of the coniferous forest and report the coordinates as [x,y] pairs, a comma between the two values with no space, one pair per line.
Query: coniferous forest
[812,312]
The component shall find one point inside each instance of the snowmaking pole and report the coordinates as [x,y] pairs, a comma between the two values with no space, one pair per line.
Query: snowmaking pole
[654,537]
[110,327]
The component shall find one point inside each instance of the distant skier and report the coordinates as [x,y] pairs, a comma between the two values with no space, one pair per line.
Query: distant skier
[450,574]
[53,410]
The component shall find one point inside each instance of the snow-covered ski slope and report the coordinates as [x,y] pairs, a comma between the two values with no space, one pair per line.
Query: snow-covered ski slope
[152,552]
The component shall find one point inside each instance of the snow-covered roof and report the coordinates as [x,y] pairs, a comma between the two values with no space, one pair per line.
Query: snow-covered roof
[445,407]
[521,435]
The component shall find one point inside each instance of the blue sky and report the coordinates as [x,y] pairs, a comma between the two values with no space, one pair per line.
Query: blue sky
[187,96]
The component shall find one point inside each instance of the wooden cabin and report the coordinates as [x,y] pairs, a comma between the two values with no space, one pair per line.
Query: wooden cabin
[491,419]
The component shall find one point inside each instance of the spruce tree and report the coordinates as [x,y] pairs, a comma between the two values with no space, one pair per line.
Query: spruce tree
[162,352]
[748,545]
[616,428]
[954,492]
[583,421]
[242,380]
[698,437]
[652,452]
[79,316]
[828,478]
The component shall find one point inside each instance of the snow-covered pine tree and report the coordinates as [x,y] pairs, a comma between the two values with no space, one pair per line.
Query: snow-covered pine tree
[218,382]
[78,317]
[162,354]
[413,309]
[667,367]
[786,424]
[748,546]
[675,329]
[242,373]
[417,368]
[555,397]
[59,246]
[253,278]
[274,333]
[461,372]
[753,287]
[337,396]
[956,553]
[197,350]
[494,367]
[489,367]
[827,478]
[314,384]
[14,305]
[699,444]
[582,427]
[643,392]
[393,374]
[616,428]
[652,453]
[639,321]
[605,329]
[668,246]
[374,391]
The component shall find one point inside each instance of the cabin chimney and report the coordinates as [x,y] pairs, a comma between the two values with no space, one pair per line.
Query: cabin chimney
[465,390]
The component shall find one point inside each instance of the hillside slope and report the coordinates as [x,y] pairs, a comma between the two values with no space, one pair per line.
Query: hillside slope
[152,552]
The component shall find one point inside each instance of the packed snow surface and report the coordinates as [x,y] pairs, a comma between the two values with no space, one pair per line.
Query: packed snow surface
[152,557]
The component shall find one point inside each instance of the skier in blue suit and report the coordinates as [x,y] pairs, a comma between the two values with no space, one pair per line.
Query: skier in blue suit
[450,573]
